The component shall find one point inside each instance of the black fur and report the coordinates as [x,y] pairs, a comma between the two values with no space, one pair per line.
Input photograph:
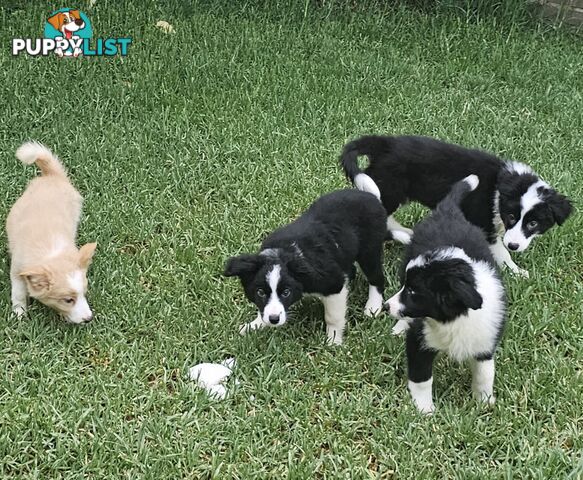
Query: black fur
[316,253]
[412,168]
[443,286]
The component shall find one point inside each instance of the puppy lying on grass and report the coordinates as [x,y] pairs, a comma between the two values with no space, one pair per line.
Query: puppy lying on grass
[41,227]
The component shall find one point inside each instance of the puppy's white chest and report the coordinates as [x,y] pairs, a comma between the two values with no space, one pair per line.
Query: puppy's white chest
[463,338]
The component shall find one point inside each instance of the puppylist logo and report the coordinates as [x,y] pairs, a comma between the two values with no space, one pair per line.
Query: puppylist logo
[68,33]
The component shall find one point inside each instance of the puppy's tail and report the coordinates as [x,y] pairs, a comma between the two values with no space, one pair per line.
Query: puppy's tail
[457,193]
[34,152]
[349,162]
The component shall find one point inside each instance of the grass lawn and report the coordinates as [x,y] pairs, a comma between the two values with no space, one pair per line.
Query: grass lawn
[190,150]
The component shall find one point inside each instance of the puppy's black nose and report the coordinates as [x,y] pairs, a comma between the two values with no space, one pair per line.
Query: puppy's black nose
[79,22]
[513,246]
[274,319]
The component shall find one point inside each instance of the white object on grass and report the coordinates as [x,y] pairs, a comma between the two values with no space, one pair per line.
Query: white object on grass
[211,377]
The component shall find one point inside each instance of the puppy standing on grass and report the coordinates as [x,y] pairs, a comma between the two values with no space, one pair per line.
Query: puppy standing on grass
[512,204]
[41,227]
[453,298]
[315,255]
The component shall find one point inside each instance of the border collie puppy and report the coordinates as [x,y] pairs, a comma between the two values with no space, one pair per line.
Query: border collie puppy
[511,201]
[315,255]
[452,299]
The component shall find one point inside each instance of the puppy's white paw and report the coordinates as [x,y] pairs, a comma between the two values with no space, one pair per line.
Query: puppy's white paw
[426,409]
[373,307]
[19,310]
[334,336]
[402,237]
[485,397]
[400,327]
[521,273]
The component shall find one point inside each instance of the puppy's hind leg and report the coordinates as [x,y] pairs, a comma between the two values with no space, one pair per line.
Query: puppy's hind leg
[254,325]
[19,294]
[335,315]
[371,262]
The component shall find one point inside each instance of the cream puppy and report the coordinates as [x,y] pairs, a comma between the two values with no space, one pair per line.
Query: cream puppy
[41,227]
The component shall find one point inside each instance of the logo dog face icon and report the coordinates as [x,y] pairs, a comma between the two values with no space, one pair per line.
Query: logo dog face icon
[67,22]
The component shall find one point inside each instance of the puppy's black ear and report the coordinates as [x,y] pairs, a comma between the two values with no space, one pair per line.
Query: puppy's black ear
[466,294]
[560,206]
[243,265]
[297,265]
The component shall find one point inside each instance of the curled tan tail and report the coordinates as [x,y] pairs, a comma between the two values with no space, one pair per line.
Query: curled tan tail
[34,152]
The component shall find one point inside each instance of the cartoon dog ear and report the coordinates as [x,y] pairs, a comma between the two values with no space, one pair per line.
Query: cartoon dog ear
[38,279]
[560,206]
[56,21]
[243,265]
[75,14]
[466,293]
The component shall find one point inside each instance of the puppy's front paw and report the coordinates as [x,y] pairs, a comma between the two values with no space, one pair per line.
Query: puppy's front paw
[485,398]
[402,237]
[19,310]
[522,273]
[400,327]
[244,329]
[373,309]
[334,336]
[426,409]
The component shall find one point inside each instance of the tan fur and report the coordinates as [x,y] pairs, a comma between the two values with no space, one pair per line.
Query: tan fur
[41,227]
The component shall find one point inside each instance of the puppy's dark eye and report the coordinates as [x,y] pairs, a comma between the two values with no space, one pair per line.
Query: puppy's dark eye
[532,225]
[65,20]
[511,218]
[286,292]
[69,300]
[409,291]
[260,293]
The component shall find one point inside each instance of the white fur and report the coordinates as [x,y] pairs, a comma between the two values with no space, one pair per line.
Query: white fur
[374,303]
[422,397]
[442,254]
[395,305]
[527,202]
[28,152]
[476,331]
[518,167]
[472,181]
[335,315]
[483,372]
[503,258]
[399,232]
[19,294]
[254,325]
[274,306]
[81,311]
[363,182]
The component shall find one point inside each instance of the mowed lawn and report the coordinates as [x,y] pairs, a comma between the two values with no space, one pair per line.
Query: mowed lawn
[197,144]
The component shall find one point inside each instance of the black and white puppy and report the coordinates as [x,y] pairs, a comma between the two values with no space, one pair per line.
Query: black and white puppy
[511,200]
[315,255]
[452,299]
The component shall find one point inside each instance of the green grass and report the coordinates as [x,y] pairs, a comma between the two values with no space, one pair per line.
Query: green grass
[194,147]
